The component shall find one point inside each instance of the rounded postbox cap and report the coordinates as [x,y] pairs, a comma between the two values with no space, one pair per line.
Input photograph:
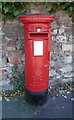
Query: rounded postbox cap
[39,18]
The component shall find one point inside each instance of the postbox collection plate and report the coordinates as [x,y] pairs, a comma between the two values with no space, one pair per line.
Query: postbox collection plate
[38,48]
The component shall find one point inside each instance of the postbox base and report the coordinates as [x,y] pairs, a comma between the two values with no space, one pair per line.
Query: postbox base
[36,98]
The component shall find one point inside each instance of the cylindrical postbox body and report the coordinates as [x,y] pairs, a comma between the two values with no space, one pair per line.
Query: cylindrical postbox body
[37,53]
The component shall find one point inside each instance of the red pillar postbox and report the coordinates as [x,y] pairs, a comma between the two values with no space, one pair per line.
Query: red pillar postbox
[37,54]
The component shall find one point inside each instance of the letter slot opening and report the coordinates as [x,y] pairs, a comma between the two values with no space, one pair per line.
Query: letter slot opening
[38,35]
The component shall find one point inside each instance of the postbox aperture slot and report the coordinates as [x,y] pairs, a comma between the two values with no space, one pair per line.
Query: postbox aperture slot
[38,35]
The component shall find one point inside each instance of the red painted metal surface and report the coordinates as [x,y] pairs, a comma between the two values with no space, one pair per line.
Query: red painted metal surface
[37,66]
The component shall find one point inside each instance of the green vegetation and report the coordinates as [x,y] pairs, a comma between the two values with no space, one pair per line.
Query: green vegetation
[18,80]
[12,10]
[68,6]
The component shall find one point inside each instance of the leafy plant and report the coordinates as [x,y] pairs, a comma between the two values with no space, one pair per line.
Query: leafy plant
[12,10]
[46,3]
[18,80]
[0,5]
[68,6]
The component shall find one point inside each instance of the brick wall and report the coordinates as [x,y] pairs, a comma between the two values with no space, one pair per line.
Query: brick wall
[60,55]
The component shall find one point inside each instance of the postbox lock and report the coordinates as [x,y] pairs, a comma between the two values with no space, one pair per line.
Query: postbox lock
[38,29]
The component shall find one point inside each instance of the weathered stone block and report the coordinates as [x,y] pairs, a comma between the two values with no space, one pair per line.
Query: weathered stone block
[69,75]
[9,69]
[11,44]
[52,72]
[0,75]
[62,29]
[54,32]
[9,49]
[66,69]
[2,70]
[0,40]
[4,76]
[20,68]
[3,62]
[13,30]
[68,59]
[52,63]
[63,17]
[58,65]
[67,53]
[66,80]
[5,84]
[38,8]
[15,58]
[61,38]
[67,47]
[54,25]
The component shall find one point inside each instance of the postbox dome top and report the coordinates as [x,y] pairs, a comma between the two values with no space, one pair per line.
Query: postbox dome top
[39,18]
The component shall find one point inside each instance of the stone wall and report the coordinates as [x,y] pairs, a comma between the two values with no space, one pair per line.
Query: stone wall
[60,55]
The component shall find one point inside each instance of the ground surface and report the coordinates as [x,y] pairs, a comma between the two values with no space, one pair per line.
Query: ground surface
[56,107]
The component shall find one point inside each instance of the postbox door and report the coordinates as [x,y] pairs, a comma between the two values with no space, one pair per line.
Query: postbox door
[37,65]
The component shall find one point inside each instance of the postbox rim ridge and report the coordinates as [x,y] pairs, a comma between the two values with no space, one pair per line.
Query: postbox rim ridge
[32,16]
[37,18]
[29,15]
